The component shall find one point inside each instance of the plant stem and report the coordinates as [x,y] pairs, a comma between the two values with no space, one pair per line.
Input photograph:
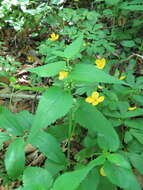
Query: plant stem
[69,134]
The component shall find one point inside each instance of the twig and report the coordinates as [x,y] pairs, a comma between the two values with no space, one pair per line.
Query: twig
[141,56]
[131,56]
[20,96]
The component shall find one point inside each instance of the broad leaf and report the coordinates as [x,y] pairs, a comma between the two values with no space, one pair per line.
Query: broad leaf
[135,113]
[37,176]
[89,73]
[136,161]
[118,160]
[137,134]
[121,177]
[92,180]
[105,184]
[54,104]
[15,124]
[76,177]
[49,70]
[74,48]
[90,118]
[48,145]
[136,123]
[15,158]
[53,167]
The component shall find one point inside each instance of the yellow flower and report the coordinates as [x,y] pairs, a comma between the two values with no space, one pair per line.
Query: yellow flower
[102,172]
[94,99]
[122,77]
[100,63]
[132,108]
[54,37]
[63,75]
[30,58]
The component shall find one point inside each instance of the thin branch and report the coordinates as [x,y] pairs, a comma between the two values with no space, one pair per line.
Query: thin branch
[19,96]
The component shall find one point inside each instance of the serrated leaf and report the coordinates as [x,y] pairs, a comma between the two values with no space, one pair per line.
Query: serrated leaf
[90,118]
[74,48]
[54,104]
[49,70]
[76,177]
[15,158]
[37,176]
[48,145]
[121,177]
[89,73]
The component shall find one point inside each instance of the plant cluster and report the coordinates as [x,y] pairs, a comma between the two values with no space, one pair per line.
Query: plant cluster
[88,123]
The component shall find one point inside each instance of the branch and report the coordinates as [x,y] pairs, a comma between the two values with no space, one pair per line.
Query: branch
[19,96]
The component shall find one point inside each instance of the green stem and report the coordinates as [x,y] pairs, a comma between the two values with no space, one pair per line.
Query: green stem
[69,134]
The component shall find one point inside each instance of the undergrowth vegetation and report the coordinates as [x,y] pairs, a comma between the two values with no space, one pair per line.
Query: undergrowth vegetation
[84,61]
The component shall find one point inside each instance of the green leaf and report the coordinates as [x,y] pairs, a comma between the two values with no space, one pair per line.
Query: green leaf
[53,167]
[134,113]
[105,184]
[118,160]
[9,121]
[57,2]
[89,73]
[48,145]
[132,6]
[37,176]
[74,48]
[136,161]
[92,180]
[49,70]
[33,187]
[54,104]
[137,134]
[15,124]
[73,178]
[128,43]
[3,137]
[90,118]
[76,177]
[136,123]
[112,2]
[121,177]
[15,158]
[20,87]
[60,132]
[25,119]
